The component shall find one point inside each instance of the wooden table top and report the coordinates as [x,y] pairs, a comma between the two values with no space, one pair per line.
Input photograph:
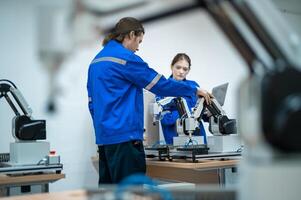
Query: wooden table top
[66,195]
[204,164]
[6,180]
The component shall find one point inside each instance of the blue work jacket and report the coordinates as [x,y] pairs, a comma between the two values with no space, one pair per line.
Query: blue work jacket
[116,79]
[168,122]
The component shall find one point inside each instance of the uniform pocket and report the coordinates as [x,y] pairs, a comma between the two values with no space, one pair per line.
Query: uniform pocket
[138,150]
[137,144]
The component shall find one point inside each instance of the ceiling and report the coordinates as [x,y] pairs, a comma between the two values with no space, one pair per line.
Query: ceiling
[110,11]
[289,6]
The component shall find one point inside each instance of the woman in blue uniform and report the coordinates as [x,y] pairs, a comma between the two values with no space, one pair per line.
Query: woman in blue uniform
[116,79]
[180,67]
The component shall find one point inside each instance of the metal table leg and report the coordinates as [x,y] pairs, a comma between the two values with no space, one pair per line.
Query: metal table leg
[221,176]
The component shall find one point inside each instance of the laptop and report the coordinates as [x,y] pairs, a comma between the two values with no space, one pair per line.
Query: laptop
[219,92]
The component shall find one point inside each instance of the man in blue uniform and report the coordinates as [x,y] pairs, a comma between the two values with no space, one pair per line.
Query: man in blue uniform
[116,79]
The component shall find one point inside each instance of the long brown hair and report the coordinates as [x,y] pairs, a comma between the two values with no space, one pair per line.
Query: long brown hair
[181,56]
[123,28]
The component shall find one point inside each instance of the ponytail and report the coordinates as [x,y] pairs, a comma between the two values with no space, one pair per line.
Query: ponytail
[108,37]
[123,28]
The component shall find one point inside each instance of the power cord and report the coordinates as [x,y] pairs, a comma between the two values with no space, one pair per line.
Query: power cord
[42,161]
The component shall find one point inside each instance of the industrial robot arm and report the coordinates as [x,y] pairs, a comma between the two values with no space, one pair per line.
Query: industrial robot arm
[189,121]
[157,109]
[219,123]
[186,124]
[23,126]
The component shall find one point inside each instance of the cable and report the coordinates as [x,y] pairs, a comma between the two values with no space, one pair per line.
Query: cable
[240,149]
[190,142]
[42,161]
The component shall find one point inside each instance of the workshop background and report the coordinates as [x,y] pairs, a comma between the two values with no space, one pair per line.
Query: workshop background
[46,48]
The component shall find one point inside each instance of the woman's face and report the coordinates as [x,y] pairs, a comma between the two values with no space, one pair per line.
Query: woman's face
[180,70]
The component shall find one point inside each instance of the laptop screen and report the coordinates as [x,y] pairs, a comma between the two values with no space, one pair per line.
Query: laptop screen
[219,92]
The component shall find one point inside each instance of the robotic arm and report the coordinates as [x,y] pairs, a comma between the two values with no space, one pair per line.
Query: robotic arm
[219,123]
[23,126]
[187,122]
[157,108]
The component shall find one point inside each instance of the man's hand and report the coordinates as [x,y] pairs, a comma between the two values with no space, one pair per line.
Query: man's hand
[205,94]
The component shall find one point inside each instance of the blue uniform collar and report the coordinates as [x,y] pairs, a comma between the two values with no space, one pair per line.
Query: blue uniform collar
[170,77]
[114,43]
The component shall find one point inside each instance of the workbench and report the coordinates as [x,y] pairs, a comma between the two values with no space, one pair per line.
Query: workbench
[66,195]
[204,171]
[24,182]
[201,193]
[201,172]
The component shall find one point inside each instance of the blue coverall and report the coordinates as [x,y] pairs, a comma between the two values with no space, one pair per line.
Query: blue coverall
[116,79]
[168,122]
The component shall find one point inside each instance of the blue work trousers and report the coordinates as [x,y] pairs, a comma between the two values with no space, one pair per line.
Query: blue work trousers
[117,161]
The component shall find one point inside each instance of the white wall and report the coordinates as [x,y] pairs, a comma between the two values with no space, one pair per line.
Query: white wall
[291,10]
[18,61]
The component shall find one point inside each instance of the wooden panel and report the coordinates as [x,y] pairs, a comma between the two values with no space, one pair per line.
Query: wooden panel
[201,165]
[182,175]
[29,179]
[69,195]
[202,172]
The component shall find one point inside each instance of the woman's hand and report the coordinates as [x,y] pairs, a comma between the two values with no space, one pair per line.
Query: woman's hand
[205,94]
